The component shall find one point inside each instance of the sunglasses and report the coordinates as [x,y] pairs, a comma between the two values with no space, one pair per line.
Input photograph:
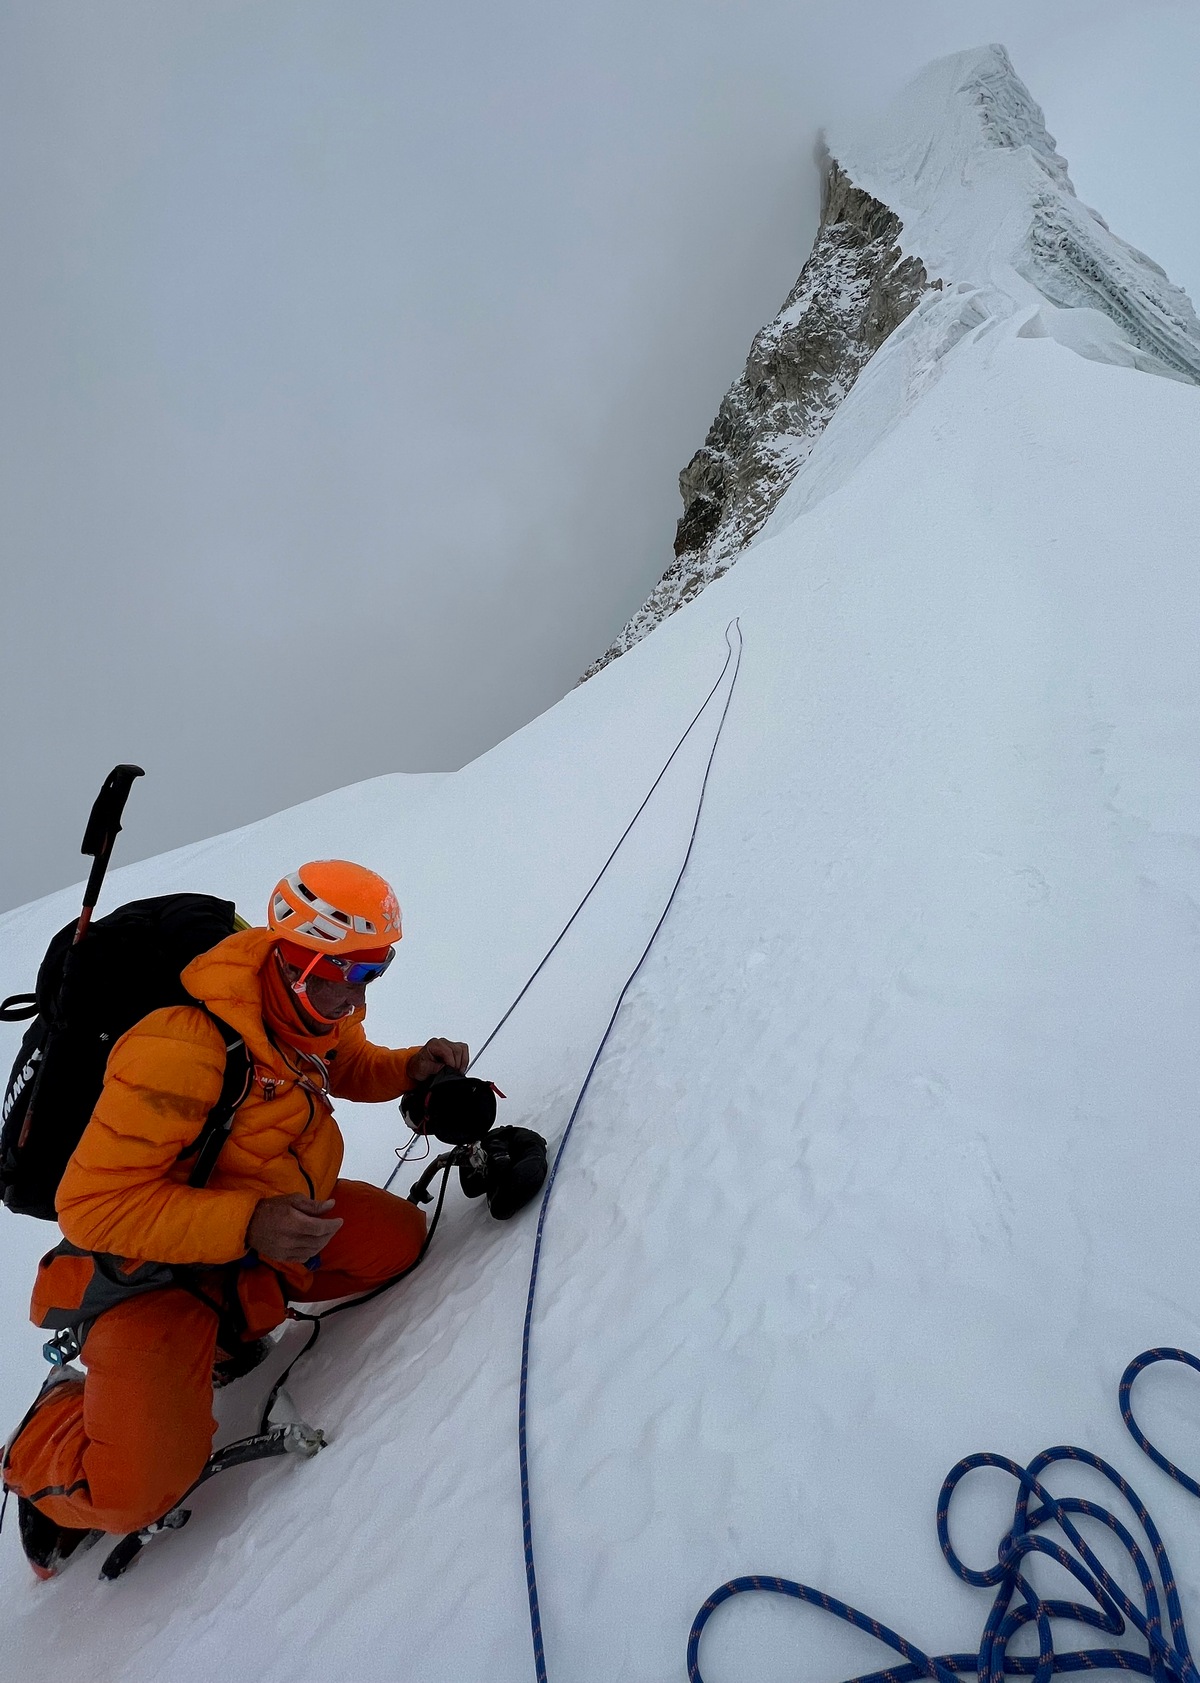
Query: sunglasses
[351,971]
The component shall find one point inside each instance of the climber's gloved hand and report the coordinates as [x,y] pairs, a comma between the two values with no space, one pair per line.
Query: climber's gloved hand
[435,1056]
[515,1172]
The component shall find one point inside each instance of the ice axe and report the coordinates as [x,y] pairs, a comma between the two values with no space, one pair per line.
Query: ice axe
[103,828]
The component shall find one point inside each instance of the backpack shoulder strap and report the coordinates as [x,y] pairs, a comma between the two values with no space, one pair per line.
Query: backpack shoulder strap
[239,1072]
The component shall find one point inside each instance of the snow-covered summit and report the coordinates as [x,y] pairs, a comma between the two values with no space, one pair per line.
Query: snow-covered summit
[965,161]
[954,204]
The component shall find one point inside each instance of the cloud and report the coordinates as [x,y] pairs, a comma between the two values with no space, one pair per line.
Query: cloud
[353,353]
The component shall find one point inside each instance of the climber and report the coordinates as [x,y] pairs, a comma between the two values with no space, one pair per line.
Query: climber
[171,1284]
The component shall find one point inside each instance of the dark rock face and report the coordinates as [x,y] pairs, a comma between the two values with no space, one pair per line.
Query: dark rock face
[855,288]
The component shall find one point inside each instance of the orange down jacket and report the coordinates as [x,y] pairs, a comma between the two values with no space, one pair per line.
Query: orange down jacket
[125,1189]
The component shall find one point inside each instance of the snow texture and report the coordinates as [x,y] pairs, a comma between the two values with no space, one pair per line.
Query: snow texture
[892,1153]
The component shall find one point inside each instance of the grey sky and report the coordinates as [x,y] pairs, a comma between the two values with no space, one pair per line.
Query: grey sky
[351,351]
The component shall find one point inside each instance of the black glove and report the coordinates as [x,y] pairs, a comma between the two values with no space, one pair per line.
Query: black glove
[516,1170]
[455,1108]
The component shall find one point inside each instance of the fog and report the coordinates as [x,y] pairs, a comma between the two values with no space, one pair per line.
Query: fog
[351,352]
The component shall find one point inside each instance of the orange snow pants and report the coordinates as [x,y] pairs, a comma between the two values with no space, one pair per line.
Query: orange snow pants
[120,1449]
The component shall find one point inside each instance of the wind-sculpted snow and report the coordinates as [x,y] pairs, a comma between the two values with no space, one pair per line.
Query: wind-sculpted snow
[960,186]
[1078,264]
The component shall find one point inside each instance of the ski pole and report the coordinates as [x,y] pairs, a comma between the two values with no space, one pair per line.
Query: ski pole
[103,828]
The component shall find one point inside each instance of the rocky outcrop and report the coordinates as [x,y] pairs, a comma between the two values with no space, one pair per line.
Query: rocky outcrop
[992,224]
[855,288]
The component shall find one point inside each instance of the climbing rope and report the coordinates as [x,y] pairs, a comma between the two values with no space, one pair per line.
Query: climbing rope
[352,1303]
[535,1621]
[1139,1364]
[564,931]
[1167,1656]
[323,1315]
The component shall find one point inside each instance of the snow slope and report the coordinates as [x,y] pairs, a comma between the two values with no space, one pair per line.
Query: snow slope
[892,1155]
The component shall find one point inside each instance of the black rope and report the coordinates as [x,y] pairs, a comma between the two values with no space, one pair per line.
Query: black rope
[729,652]
[535,1617]
[562,934]
[352,1303]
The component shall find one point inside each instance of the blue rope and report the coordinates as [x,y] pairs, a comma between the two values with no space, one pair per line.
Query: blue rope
[535,1619]
[1167,1658]
[563,932]
[1138,1365]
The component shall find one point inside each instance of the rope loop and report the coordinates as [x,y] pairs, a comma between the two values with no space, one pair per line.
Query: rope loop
[1167,1656]
[1138,1365]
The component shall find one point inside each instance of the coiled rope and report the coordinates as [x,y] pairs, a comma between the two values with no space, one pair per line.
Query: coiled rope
[734,653]
[1166,1657]
[1016,1604]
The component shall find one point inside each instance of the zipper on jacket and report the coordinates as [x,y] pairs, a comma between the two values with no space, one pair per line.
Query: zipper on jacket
[294,1153]
[311,1189]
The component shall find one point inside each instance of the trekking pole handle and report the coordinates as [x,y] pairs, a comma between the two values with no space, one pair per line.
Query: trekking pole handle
[103,828]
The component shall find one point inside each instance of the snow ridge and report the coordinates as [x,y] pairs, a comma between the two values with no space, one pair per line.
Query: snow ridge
[1072,256]
[965,160]
[853,291]
[958,190]
[1009,115]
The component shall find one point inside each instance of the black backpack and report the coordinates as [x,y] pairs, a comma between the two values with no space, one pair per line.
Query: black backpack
[88,995]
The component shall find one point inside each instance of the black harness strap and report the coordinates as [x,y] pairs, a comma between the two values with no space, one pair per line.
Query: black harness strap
[239,1072]
[231,1321]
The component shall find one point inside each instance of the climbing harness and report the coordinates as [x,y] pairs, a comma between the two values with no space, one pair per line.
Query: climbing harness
[735,654]
[271,1439]
[1167,1659]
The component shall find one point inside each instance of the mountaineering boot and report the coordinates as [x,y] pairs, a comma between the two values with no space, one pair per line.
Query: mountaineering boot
[515,1170]
[61,1374]
[48,1546]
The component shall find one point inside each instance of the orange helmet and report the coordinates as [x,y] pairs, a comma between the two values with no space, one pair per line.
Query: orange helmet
[332,906]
